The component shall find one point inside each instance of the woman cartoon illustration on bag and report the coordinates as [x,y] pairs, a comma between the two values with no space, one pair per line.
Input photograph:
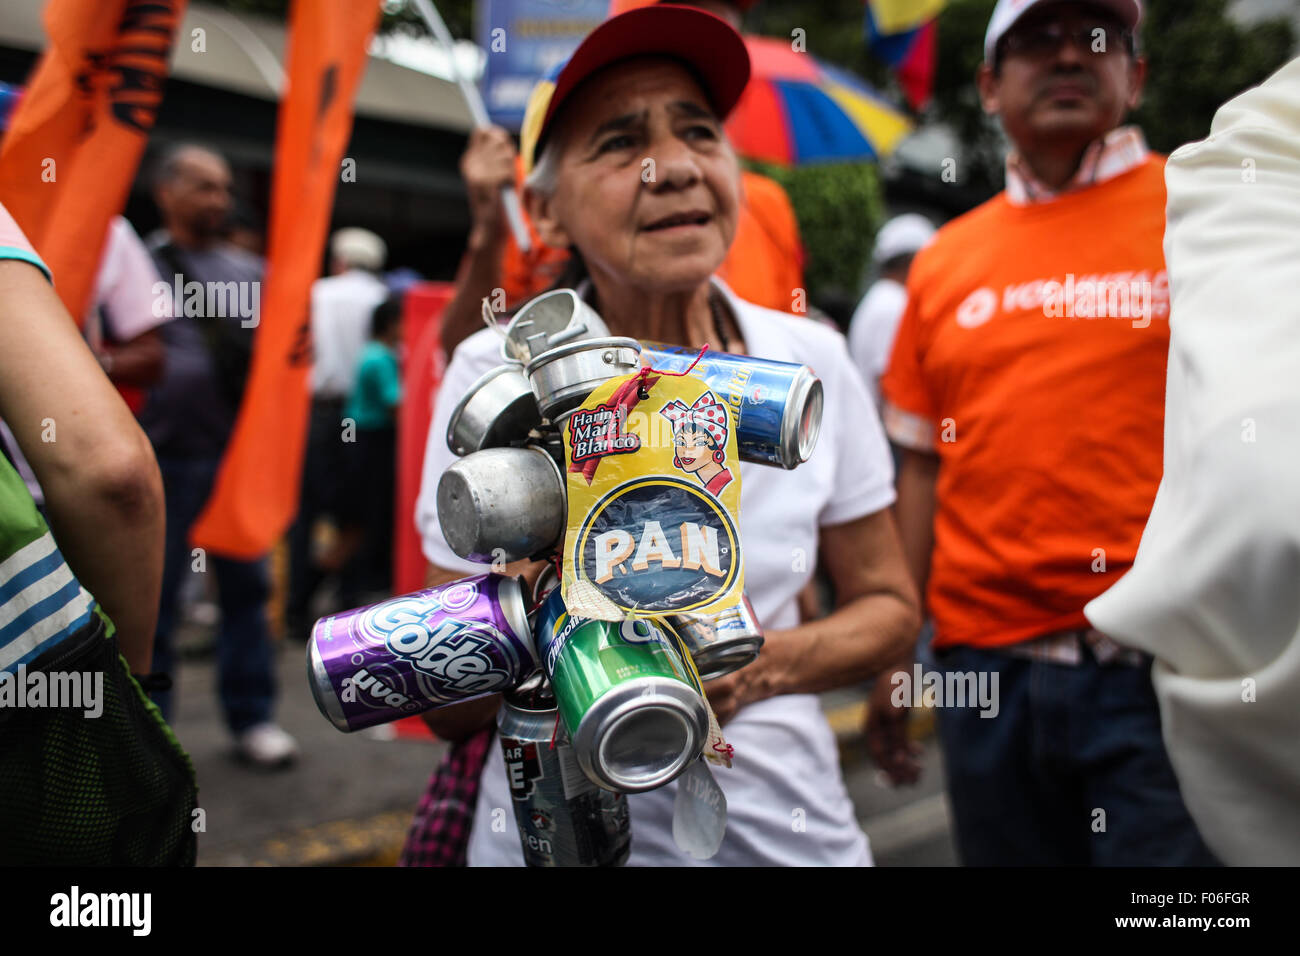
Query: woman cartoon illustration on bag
[700,440]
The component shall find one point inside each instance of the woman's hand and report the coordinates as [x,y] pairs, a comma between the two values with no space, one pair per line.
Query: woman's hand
[875,623]
[488,165]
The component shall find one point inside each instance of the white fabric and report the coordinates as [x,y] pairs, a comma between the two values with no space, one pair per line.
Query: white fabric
[1007,12]
[340,325]
[125,285]
[909,232]
[786,771]
[1214,593]
[872,330]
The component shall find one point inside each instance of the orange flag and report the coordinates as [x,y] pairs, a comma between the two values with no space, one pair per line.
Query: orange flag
[76,139]
[256,493]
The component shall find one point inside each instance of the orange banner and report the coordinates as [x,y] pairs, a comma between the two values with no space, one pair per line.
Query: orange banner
[77,135]
[256,493]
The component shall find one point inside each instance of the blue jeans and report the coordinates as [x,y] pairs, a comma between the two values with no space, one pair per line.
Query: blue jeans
[1071,771]
[245,662]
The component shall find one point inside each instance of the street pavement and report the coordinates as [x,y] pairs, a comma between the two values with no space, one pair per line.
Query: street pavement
[349,797]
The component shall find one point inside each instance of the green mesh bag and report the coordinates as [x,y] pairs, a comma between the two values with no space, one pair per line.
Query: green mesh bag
[77,790]
[116,789]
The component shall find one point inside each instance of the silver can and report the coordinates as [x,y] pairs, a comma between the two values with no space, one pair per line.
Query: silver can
[551,319]
[499,409]
[563,818]
[563,377]
[502,504]
[720,643]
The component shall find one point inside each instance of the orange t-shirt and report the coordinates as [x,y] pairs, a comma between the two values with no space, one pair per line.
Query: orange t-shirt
[1031,359]
[763,266]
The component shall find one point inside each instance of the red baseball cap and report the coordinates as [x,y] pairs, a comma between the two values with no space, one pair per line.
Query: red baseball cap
[713,51]
[623,6]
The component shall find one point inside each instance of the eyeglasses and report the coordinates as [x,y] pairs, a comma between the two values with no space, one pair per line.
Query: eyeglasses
[1047,39]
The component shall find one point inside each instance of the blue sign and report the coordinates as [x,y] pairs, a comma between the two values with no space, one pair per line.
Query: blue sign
[524,39]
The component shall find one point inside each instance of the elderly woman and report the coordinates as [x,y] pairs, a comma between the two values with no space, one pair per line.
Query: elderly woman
[634,174]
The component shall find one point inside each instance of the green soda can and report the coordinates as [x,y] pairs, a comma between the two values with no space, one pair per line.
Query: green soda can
[632,710]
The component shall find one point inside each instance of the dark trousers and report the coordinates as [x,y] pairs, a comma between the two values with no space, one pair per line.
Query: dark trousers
[324,465]
[1071,771]
[245,662]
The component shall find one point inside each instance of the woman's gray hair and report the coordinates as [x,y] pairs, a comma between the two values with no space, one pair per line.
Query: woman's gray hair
[546,170]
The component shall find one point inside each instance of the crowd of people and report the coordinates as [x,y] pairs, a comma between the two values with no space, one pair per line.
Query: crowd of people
[993,441]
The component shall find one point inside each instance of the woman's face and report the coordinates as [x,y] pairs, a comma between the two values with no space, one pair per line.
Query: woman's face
[693,449]
[647,186]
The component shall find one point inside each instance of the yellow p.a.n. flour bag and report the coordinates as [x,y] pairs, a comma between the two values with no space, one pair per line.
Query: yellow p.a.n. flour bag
[654,500]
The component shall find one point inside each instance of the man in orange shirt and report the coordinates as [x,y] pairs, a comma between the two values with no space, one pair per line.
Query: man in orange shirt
[1027,387]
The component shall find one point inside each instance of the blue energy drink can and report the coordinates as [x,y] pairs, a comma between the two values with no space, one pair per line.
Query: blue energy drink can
[776,407]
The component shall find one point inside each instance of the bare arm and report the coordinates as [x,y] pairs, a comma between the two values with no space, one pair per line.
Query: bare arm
[487,165]
[102,488]
[915,509]
[886,723]
[138,362]
[874,623]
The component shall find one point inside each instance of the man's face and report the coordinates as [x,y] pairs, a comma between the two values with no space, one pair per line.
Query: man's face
[198,196]
[647,186]
[1065,76]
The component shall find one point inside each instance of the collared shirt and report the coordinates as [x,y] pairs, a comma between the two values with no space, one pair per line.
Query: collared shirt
[1115,153]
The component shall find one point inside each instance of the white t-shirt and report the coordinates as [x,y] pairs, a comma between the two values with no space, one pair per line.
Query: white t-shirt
[126,283]
[341,307]
[872,330]
[786,799]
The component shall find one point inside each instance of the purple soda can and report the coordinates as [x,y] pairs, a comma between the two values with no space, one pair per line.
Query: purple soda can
[426,649]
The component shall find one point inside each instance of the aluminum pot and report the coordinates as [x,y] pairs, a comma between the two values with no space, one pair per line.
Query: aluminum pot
[550,320]
[502,504]
[499,409]
[563,377]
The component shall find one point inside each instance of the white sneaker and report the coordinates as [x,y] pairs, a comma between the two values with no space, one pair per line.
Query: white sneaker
[267,745]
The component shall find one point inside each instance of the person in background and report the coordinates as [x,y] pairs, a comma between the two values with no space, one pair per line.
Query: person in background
[189,416]
[365,544]
[1212,594]
[764,264]
[1032,432]
[875,322]
[341,309]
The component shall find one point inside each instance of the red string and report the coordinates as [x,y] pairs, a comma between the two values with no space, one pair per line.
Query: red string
[704,348]
[555,731]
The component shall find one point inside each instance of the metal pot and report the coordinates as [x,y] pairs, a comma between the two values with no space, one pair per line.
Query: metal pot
[498,409]
[502,504]
[563,377]
[550,320]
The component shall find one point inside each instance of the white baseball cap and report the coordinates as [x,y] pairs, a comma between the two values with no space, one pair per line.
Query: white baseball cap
[359,248]
[1008,12]
[903,234]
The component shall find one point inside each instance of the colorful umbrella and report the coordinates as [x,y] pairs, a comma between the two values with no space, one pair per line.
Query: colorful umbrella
[798,109]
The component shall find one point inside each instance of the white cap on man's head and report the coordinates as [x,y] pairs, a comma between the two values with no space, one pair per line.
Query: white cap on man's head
[1008,12]
[359,248]
[902,235]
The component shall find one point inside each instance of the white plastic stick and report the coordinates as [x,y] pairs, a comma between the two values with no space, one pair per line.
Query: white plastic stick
[433,20]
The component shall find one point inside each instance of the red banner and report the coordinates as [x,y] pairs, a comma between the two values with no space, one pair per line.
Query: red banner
[256,493]
[78,133]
